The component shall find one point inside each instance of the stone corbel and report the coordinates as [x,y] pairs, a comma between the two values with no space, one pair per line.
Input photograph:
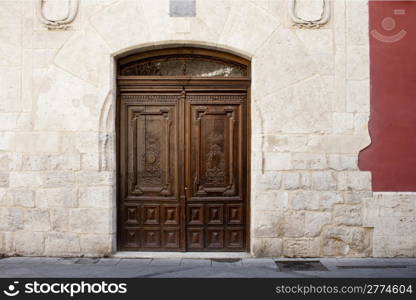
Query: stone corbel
[63,24]
[302,23]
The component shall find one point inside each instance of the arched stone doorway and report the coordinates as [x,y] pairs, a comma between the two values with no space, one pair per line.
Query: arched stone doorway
[183,151]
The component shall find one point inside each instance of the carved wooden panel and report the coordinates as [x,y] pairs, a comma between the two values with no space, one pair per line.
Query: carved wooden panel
[235,214]
[195,238]
[132,214]
[150,238]
[150,159]
[171,215]
[214,214]
[195,214]
[234,237]
[130,238]
[171,238]
[215,150]
[150,214]
[214,238]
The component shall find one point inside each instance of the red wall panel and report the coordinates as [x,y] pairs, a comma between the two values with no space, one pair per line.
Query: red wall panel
[391,157]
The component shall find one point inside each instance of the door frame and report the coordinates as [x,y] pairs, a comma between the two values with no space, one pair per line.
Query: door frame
[126,84]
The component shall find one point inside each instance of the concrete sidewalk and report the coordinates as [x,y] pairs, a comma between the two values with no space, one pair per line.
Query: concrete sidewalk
[15,267]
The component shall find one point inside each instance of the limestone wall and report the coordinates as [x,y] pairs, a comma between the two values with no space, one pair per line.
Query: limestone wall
[310,106]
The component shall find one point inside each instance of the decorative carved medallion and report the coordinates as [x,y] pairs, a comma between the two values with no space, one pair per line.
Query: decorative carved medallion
[152,173]
[215,173]
[302,23]
[61,24]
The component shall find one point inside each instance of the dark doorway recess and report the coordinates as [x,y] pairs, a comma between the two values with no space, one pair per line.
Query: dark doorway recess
[183,151]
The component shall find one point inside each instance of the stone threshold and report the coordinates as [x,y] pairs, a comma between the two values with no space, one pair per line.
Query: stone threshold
[194,255]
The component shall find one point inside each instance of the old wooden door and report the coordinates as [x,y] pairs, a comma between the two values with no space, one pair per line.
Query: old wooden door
[151,204]
[183,164]
[216,171]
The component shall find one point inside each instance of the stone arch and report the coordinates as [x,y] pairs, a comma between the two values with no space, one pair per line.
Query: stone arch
[161,45]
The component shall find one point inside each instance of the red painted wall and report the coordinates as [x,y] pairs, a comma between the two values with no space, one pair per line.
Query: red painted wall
[391,157]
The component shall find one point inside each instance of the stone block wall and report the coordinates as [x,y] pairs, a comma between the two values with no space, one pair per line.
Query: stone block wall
[393,217]
[310,107]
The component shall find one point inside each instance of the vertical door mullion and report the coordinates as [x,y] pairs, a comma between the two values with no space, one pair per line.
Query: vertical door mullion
[182,166]
[187,164]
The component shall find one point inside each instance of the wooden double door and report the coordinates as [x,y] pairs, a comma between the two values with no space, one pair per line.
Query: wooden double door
[183,170]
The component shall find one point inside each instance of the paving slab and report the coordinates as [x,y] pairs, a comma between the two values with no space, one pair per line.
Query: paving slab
[115,272]
[257,261]
[41,260]
[67,261]
[405,261]
[200,268]
[161,271]
[60,270]
[166,262]
[221,263]
[195,262]
[191,272]
[20,271]
[366,262]
[134,261]
[225,274]
[108,261]
[87,261]
[13,260]
[329,263]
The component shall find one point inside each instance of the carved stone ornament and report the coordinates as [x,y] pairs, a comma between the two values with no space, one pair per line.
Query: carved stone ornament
[302,23]
[63,23]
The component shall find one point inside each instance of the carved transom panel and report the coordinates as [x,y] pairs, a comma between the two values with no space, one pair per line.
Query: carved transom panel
[184,65]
